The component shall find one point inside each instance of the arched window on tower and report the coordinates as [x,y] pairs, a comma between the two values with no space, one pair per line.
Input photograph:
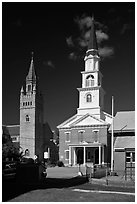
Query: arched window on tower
[89,98]
[27,153]
[29,87]
[27,118]
[89,80]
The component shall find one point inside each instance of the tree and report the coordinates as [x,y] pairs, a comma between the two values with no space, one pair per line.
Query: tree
[8,149]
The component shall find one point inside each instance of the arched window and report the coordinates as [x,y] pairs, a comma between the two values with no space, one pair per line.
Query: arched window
[27,152]
[27,118]
[89,98]
[90,81]
[29,87]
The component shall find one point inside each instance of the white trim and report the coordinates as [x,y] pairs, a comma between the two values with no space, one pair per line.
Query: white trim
[11,125]
[69,155]
[115,148]
[95,130]
[81,131]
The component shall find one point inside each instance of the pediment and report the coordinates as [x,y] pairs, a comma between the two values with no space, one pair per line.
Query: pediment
[88,120]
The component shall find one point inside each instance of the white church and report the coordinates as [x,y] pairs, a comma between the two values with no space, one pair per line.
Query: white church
[84,137]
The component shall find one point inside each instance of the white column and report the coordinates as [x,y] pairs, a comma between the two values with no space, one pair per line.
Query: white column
[103,154]
[84,156]
[69,155]
[49,152]
[74,148]
[99,155]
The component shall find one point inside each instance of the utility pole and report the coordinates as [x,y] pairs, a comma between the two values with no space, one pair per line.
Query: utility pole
[112,137]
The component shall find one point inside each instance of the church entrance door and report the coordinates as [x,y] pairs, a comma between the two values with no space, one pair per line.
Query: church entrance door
[97,156]
[80,154]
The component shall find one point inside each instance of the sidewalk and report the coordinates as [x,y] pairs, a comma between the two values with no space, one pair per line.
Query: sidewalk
[71,172]
[114,181]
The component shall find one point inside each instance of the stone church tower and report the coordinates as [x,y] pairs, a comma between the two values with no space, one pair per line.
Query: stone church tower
[31,116]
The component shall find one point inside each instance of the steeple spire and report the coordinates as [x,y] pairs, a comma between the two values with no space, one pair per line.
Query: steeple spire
[31,75]
[92,41]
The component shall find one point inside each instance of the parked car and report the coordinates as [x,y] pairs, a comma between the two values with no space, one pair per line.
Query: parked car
[9,170]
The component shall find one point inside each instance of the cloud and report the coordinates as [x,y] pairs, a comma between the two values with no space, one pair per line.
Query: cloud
[101,36]
[80,42]
[69,41]
[106,51]
[49,63]
[73,56]
[83,22]
[125,28]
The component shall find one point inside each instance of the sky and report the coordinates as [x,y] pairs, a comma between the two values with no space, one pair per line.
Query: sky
[58,33]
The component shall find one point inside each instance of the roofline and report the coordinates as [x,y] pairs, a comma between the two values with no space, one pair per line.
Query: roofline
[120,131]
[66,121]
[12,125]
[109,115]
[84,126]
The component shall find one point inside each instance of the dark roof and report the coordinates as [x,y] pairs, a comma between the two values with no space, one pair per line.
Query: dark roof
[31,75]
[124,121]
[93,40]
[14,130]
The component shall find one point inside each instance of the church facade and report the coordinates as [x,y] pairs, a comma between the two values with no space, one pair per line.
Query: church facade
[84,137]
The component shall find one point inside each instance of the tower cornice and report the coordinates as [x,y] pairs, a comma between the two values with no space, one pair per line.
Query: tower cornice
[91,88]
[89,72]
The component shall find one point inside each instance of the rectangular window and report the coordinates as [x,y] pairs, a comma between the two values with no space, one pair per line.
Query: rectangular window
[133,156]
[67,136]
[80,135]
[130,157]
[96,135]
[67,154]
[14,139]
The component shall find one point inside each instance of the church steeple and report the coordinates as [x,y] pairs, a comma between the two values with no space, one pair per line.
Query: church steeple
[91,98]
[92,41]
[31,74]
[92,57]
[31,77]
[92,45]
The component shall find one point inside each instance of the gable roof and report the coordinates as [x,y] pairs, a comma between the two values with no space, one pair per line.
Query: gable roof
[14,130]
[124,121]
[87,120]
[82,120]
[67,123]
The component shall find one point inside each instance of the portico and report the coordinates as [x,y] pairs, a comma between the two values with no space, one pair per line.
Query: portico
[86,153]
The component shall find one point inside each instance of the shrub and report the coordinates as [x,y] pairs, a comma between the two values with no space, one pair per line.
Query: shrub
[60,164]
[27,160]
